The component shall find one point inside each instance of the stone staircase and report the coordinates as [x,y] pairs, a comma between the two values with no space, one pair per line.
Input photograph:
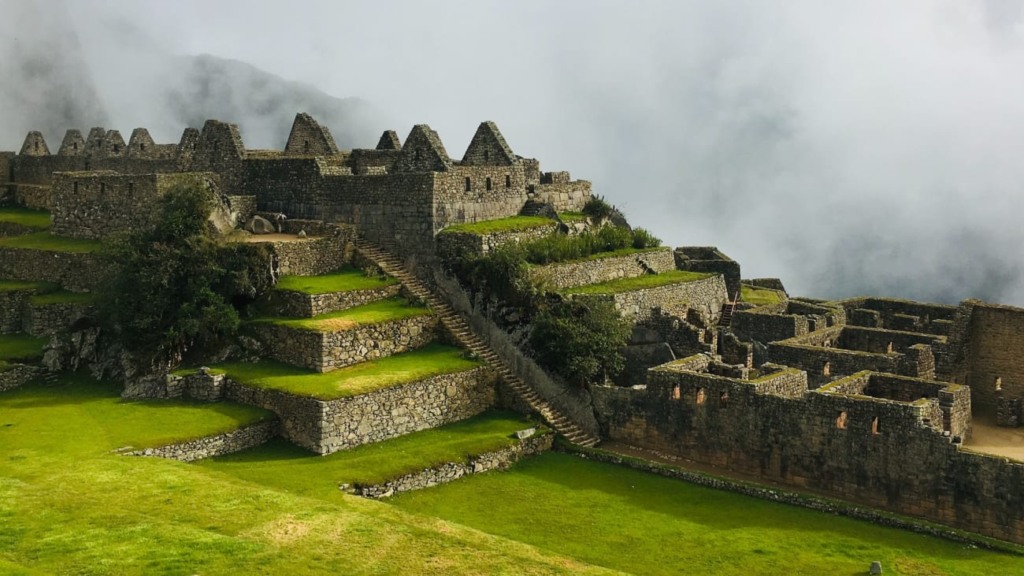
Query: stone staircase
[728,309]
[460,330]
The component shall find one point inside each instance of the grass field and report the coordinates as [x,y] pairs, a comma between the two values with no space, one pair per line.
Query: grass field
[431,360]
[49,243]
[39,219]
[645,524]
[68,506]
[382,311]
[19,285]
[282,465]
[343,280]
[21,347]
[62,297]
[510,224]
[759,296]
[639,283]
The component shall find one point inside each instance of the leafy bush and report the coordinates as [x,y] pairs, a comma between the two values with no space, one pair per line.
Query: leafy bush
[580,340]
[503,274]
[560,247]
[174,287]
[597,208]
[644,239]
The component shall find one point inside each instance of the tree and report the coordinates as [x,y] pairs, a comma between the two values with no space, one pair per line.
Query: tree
[173,287]
[580,339]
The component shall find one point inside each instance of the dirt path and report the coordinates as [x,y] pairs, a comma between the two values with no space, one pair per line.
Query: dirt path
[991,439]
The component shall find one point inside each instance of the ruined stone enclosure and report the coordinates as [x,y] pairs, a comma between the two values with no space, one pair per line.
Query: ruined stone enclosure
[871,399]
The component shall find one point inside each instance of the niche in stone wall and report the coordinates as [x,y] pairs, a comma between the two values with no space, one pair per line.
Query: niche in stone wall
[676,392]
[487,183]
[701,396]
[723,399]
[875,427]
[508,181]
[999,383]
[469,184]
[841,420]
[826,369]
[888,348]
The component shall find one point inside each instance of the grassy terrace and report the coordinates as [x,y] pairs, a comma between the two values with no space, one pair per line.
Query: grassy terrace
[282,465]
[645,524]
[759,296]
[21,285]
[344,280]
[572,216]
[431,360]
[639,283]
[510,224]
[50,243]
[374,313]
[24,217]
[21,348]
[62,297]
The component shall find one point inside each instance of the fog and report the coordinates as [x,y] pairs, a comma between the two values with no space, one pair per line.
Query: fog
[847,147]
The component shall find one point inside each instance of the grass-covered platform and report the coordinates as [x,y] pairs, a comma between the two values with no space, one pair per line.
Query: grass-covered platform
[283,465]
[639,283]
[759,296]
[644,524]
[431,360]
[388,310]
[44,241]
[27,286]
[37,219]
[62,297]
[510,224]
[345,280]
[21,348]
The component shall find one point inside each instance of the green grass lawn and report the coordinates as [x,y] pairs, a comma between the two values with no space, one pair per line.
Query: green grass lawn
[759,296]
[20,285]
[645,524]
[25,217]
[280,464]
[412,366]
[572,216]
[21,347]
[344,280]
[69,506]
[510,224]
[638,283]
[387,310]
[62,297]
[50,243]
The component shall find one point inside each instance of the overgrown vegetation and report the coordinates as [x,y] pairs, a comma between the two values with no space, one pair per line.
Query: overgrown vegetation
[177,286]
[597,208]
[579,340]
[562,247]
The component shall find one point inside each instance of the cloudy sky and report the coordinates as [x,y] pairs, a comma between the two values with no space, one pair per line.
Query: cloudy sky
[869,147]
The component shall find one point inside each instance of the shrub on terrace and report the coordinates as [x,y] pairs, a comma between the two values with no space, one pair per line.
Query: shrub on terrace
[175,287]
[580,340]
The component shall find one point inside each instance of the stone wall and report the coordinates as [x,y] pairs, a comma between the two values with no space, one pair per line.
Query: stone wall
[326,426]
[16,375]
[594,271]
[97,204]
[705,296]
[895,314]
[75,271]
[218,445]
[313,256]
[302,305]
[995,338]
[818,354]
[710,259]
[32,196]
[45,319]
[327,351]
[461,194]
[565,196]
[501,459]
[901,464]
[12,310]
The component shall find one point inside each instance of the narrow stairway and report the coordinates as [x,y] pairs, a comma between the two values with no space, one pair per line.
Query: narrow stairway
[460,330]
[728,308]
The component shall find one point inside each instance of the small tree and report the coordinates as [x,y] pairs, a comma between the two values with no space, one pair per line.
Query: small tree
[172,288]
[580,340]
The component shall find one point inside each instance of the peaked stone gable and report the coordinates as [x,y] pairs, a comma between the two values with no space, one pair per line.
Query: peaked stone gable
[35,145]
[488,148]
[389,141]
[310,138]
[423,152]
[73,144]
